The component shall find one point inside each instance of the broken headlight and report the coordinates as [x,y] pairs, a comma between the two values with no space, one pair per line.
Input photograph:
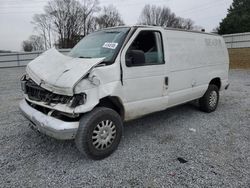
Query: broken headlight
[78,99]
[23,81]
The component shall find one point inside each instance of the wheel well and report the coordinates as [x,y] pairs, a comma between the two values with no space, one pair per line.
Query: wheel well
[216,81]
[113,103]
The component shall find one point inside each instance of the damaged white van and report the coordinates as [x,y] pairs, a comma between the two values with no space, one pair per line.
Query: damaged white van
[118,74]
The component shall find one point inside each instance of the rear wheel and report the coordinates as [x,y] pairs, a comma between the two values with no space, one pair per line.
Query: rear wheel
[99,133]
[209,101]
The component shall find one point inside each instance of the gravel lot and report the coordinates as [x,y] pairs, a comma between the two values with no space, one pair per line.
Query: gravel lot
[217,151]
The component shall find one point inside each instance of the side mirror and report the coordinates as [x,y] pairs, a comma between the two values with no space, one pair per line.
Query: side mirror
[135,58]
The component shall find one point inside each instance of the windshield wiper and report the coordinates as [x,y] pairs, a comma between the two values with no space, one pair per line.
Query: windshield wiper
[112,32]
[85,57]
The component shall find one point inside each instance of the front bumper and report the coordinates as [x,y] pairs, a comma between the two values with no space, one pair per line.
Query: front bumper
[48,125]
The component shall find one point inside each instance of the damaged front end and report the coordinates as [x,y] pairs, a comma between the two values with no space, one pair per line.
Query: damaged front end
[60,89]
[51,80]
[51,103]
[36,93]
[38,108]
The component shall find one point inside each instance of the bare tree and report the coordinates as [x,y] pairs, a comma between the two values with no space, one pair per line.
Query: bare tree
[91,24]
[71,19]
[183,23]
[67,19]
[34,43]
[43,24]
[162,16]
[27,46]
[109,17]
[90,7]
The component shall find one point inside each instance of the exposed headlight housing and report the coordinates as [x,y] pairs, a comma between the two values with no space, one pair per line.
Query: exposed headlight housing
[23,81]
[78,99]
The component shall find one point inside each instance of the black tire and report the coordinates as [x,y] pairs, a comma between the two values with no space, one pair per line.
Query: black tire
[209,102]
[99,120]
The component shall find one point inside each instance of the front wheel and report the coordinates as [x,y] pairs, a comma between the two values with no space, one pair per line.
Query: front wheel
[209,101]
[99,133]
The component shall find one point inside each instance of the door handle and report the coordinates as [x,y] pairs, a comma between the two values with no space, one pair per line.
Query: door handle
[166,81]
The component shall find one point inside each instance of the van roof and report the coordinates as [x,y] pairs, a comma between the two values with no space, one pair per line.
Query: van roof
[175,29]
[166,28]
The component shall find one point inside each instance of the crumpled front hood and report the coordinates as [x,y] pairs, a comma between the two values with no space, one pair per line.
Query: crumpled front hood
[59,73]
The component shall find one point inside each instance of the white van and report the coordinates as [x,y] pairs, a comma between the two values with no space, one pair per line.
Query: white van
[118,74]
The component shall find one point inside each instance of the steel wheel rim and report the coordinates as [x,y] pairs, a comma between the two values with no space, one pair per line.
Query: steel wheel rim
[213,99]
[104,134]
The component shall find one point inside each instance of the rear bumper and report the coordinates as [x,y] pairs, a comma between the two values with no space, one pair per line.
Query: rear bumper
[48,125]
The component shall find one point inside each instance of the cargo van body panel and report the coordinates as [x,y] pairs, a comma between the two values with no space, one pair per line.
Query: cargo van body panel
[192,60]
[195,59]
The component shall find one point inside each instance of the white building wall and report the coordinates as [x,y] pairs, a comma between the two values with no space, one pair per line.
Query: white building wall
[239,40]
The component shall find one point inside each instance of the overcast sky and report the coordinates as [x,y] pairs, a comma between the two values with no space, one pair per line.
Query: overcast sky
[16,15]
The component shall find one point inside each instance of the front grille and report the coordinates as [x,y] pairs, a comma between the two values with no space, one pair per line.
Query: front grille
[37,93]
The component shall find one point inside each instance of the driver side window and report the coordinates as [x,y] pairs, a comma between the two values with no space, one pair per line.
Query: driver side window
[146,49]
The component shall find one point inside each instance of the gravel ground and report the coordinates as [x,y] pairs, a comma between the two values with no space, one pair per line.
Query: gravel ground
[215,148]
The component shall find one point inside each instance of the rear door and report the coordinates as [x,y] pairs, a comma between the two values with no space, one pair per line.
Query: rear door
[145,85]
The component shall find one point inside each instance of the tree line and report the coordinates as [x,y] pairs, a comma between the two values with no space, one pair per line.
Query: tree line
[237,19]
[65,22]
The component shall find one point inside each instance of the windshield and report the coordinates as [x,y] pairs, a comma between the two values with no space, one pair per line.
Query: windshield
[105,43]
